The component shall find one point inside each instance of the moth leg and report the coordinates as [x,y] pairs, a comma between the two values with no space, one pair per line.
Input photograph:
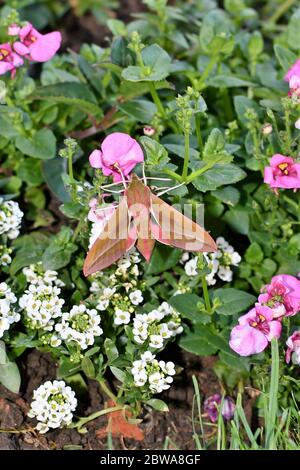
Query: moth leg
[144,175]
[170,189]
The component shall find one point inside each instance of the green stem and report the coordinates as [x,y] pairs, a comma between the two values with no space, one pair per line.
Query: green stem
[273,398]
[107,390]
[199,172]
[156,100]
[82,421]
[213,60]
[280,11]
[186,155]
[288,127]
[198,132]
[77,230]
[172,174]
[206,295]
[70,165]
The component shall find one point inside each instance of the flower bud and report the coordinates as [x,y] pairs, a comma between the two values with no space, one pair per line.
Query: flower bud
[149,131]
[267,129]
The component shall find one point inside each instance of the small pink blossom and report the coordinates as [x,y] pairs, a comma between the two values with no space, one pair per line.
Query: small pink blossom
[37,46]
[283,172]
[293,350]
[282,295]
[9,60]
[294,70]
[118,155]
[213,403]
[99,215]
[297,124]
[13,30]
[254,331]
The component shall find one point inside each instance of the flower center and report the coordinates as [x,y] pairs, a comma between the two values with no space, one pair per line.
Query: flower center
[80,322]
[57,397]
[29,39]
[284,168]
[3,54]
[260,323]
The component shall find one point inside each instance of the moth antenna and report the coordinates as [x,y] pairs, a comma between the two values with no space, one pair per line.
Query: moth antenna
[113,192]
[110,185]
[157,179]
[170,189]
[144,176]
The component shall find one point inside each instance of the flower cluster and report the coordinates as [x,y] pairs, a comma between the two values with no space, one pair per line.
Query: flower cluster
[157,375]
[41,303]
[212,406]
[8,314]
[283,172]
[27,43]
[280,298]
[156,326]
[219,262]
[52,405]
[118,155]
[10,218]
[80,325]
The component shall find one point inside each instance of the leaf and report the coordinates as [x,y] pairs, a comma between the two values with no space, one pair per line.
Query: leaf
[156,154]
[59,251]
[242,104]
[215,143]
[53,171]
[163,259]
[111,350]
[187,306]
[254,254]
[229,195]
[42,145]
[195,344]
[10,376]
[158,405]
[140,110]
[118,373]
[88,367]
[30,171]
[229,81]
[233,300]
[293,30]
[70,93]
[30,250]
[238,219]
[217,176]
[157,66]
[285,57]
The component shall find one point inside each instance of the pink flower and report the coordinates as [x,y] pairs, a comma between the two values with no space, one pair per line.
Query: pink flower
[254,331]
[282,295]
[99,215]
[119,154]
[293,350]
[294,70]
[13,30]
[9,60]
[34,45]
[212,404]
[283,172]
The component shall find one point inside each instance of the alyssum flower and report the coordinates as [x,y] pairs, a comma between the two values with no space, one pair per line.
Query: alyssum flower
[52,405]
[118,155]
[254,331]
[8,314]
[10,218]
[283,172]
[80,325]
[154,374]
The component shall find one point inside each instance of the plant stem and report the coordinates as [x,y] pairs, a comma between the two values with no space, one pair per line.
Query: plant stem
[206,295]
[82,421]
[199,172]
[273,398]
[186,155]
[198,132]
[172,174]
[70,165]
[107,390]
[213,60]
[156,100]
[280,11]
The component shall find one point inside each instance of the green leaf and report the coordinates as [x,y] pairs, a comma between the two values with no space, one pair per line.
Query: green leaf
[42,145]
[215,33]
[217,176]
[254,254]
[58,253]
[70,93]
[285,57]
[255,46]
[196,344]
[187,305]
[9,372]
[293,31]
[53,170]
[242,104]
[30,171]
[118,373]
[156,154]
[140,110]
[88,367]
[30,250]
[233,301]
[229,195]
[162,259]
[229,81]
[157,66]
[67,368]
[215,143]
[111,350]
[158,405]
[238,218]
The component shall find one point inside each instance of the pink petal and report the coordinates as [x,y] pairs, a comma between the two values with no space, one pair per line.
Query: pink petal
[277,159]
[45,47]
[245,340]
[293,70]
[13,30]
[269,175]
[5,67]
[275,329]
[95,159]
[20,48]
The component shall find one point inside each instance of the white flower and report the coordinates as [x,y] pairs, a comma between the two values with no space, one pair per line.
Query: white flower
[297,123]
[80,325]
[156,341]
[148,372]
[136,297]
[5,258]
[121,317]
[225,273]
[35,274]
[167,367]
[41,305]
[191,267]
[53,405]
[185,257]
[10,218]
[8,315]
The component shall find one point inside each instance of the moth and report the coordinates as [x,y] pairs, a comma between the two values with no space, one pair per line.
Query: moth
[142,218]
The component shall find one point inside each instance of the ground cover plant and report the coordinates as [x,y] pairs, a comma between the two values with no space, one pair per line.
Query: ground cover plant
[149,224]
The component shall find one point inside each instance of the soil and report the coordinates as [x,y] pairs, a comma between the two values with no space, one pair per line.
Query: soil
[156,426]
